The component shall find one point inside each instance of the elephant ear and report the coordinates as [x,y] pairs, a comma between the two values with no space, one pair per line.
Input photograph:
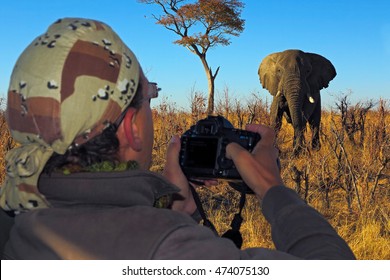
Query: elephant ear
[322,73]
[267,73]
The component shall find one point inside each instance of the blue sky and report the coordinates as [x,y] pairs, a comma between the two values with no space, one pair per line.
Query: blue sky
[353,34]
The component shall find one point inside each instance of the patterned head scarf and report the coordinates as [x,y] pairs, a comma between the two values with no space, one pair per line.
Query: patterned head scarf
[66,87]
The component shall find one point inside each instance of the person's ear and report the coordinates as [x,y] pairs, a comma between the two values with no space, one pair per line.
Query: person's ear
[131,129]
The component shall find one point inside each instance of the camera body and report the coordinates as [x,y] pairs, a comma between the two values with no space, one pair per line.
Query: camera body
[203,148]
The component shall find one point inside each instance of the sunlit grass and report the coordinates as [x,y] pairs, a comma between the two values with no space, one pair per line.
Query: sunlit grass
[347,182]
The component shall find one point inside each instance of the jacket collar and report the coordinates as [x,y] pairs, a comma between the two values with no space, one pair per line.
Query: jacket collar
[125,188]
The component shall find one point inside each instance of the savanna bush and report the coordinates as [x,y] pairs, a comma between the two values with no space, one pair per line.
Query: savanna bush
[347,180]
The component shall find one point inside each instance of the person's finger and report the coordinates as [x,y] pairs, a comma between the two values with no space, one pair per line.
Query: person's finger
[267,133]
[243,160]
[172,158]
[174,174]
[234,151]
[259,170]
[246,165]
[210,182]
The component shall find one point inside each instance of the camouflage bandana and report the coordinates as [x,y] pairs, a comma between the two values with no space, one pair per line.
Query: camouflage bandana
[66,87]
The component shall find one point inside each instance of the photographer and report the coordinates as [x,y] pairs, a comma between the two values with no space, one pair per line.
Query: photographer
[79,186]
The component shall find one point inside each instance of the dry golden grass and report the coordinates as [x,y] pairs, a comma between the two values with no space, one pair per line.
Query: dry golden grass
[347,181]
[339,180]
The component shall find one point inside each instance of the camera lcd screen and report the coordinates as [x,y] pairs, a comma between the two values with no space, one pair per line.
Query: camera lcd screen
[201,152]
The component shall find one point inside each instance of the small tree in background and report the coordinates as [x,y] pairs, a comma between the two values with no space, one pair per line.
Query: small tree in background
[212,22]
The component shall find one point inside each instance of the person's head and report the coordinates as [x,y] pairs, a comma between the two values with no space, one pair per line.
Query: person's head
[77,95]
[129,138]
[135,131]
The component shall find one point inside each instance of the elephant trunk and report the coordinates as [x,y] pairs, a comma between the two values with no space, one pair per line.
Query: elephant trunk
[295,92]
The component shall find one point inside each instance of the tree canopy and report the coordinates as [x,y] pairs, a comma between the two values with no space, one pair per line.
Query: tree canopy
[210,23]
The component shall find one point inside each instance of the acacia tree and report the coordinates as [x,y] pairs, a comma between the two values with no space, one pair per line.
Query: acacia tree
[201,25]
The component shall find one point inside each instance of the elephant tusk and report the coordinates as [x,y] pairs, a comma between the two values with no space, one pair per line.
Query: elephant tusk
[278,93]
[311,99]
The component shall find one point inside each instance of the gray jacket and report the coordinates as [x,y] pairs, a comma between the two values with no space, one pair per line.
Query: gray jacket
[110,215]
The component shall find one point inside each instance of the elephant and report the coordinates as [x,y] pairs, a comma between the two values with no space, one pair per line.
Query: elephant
[294,78]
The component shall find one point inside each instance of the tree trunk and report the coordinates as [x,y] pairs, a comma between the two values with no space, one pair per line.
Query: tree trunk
[210,80]
[210,105]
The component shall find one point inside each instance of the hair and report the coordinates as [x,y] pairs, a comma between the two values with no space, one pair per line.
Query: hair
[103,147]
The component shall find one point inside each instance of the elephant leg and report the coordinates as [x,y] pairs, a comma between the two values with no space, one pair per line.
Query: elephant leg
[314,123]
[287,116]
[276,114]
[298,142]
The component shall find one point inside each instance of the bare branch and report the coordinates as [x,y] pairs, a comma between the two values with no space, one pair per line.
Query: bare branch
[348,163]
[218,18]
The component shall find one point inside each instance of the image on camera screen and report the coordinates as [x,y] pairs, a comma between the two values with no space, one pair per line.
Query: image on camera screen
[201,152]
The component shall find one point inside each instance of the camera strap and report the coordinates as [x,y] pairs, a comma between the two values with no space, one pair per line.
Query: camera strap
[234,233]
[206,221]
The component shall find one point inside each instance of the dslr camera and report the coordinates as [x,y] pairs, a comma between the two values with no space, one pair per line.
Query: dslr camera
[203,149]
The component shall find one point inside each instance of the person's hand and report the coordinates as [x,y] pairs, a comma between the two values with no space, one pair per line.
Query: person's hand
[258,169]
[174,174]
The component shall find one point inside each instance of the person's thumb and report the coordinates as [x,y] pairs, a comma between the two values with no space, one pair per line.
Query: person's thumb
[172,157]
[234,151]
